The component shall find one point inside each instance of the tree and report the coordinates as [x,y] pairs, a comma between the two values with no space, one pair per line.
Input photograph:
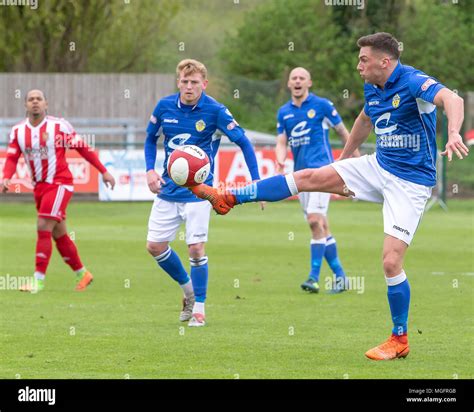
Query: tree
[81,36]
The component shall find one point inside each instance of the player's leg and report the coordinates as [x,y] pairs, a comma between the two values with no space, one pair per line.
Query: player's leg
[317,225]
[68,251]
[163,224]
[199,277]
[42,255]
[398,294]
[402,211]
[197,216]
[324,179]
[49,200]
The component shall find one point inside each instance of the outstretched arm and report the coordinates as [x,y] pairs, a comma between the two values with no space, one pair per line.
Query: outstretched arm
[75,142]
[454,108]
[359,133]
[249,155]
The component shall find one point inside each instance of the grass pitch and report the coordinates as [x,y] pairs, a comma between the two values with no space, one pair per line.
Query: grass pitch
[260,324]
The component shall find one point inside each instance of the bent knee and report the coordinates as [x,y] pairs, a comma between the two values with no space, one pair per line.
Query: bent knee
[156,249]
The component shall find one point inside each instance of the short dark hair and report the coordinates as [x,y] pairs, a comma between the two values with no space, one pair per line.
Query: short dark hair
[28,92]
[383,42]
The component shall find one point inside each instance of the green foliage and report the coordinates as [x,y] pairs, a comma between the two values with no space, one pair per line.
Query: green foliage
[436,38]
[81,36]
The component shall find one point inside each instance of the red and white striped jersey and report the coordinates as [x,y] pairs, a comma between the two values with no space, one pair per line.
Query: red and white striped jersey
[44,148]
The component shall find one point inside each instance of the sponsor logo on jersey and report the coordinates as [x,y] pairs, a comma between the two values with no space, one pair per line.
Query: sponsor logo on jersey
[311,113]
[427,84]
[396,101]
[170,120]
[178,140]
[374,102]
[200,125]
[387,129]
[288,116]
[334,112]
[299,130]
[232,125]
[153,119]
[299,135]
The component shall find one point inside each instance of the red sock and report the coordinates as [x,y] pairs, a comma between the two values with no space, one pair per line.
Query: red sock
[43,251]
[68,251]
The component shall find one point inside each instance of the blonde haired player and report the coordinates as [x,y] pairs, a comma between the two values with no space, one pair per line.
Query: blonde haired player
[187,117]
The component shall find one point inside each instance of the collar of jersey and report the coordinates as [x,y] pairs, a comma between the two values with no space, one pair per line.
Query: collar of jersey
[39,124]
[307,100]
[394,76]
[198,105]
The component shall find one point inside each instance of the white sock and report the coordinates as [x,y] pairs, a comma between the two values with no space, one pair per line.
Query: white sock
[39,275]
[199,308]
[188,289]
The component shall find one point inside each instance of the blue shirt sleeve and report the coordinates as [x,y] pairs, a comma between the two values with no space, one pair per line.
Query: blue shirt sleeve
[229,126]
[280,123]
[423,86]
[331,113]
[152,134]
[366,109]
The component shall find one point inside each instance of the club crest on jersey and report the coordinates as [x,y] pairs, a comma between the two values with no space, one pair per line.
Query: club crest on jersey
[44,137]
[200,125]
[311,113]
[396,101]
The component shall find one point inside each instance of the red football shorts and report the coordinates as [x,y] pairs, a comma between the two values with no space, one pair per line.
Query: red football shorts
[52,200]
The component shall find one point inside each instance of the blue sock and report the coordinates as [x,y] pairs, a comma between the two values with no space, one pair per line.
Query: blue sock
[169,261]
[270,190]
[199,276]
[317,254]
[332,258]
[399,300]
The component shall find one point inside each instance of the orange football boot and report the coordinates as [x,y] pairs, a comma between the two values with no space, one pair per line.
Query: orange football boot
[84,281]
[394,347]
[221,201]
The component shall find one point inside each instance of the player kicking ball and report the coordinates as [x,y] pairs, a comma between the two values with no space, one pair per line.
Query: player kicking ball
[303,123]
[400,103]
[189,117]
[43,141]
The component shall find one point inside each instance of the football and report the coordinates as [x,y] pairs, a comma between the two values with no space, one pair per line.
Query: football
[188,166]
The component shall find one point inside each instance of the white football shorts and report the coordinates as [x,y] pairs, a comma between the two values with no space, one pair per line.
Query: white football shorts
[314,202]
[166,218]
[403,201]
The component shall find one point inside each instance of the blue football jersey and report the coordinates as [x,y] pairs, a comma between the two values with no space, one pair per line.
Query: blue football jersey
[404,119]
[195,125]
[307,130]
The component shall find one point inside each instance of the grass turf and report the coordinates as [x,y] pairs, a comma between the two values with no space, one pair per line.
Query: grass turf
[260,324]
